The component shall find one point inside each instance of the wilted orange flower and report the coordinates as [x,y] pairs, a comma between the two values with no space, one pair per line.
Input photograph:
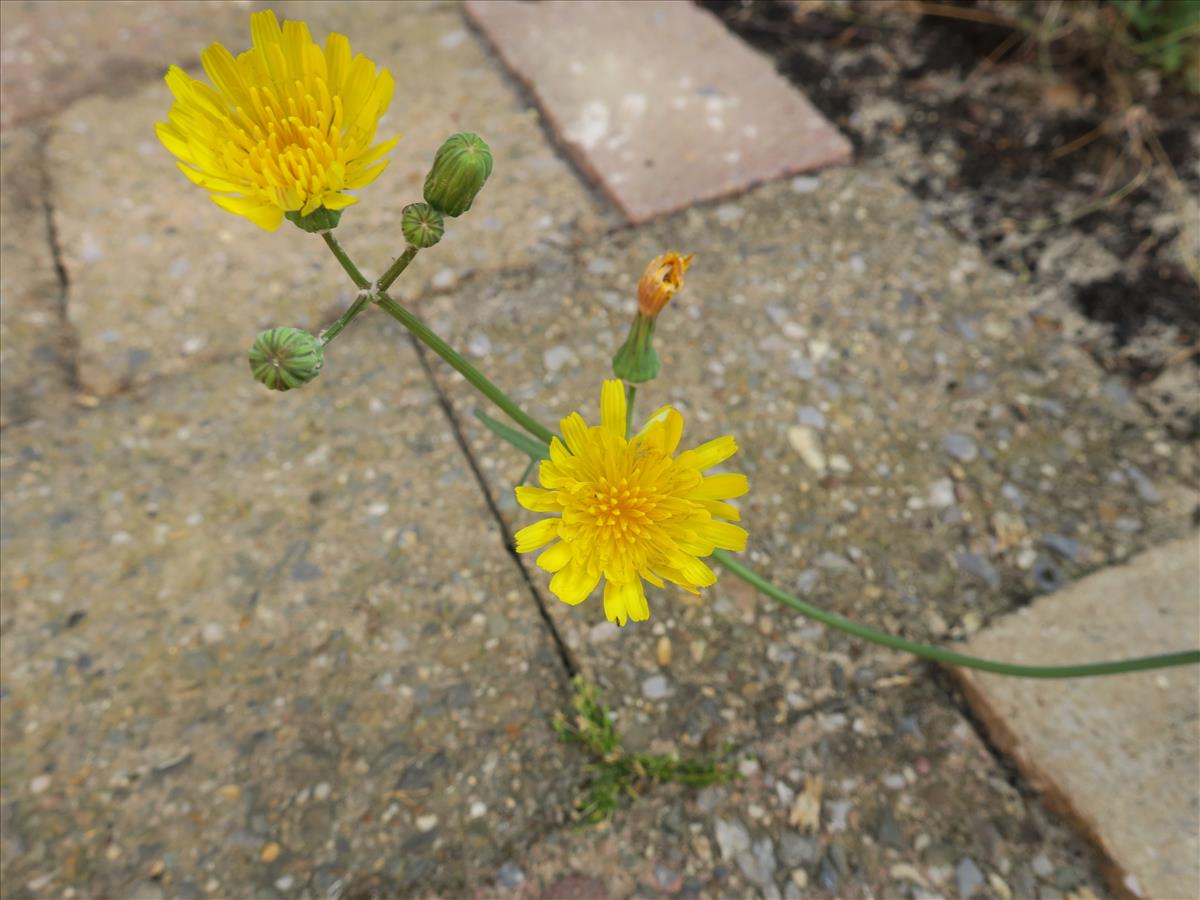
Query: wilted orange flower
[661,281]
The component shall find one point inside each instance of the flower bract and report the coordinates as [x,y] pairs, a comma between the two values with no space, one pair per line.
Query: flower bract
[285,127]
[628,510]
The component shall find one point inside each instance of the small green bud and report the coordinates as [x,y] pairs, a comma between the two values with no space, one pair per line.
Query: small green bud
[463,163]
[637,361]
[422,225]
[320,219]
[286,358]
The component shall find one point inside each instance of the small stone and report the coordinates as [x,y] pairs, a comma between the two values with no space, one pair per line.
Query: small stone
[728,213]
[663,651]
[510,876]
[557,357]
[322,790]
[285,882]
[270,852]
[888,831]
[1143,485]
[478,810]
[805,184]
[806,811]
[807,580]
[797,850]
[799,877]
[839,464]
[974,564]
[759,863]
[941,494]
[1047,576]
[230,792]
[806,442]
[479,344]
[1012,494]
[968,877]
[960,447]
[656,687]
[811,417]
[427,823]
[1067,548]
[39,783]
[732,838]
[212,633]
[838,811]
[828,876]
[1041,865]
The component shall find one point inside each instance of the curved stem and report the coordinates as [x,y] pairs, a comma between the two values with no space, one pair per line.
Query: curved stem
[938,654]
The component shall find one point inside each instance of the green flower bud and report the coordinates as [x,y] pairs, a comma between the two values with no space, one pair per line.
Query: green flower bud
[422,225]
[637,361]
[463,163]
[320,219]
[286,358]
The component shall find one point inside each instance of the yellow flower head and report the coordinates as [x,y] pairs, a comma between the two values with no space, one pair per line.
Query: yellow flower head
[288,127]
[628,510]
[660,282]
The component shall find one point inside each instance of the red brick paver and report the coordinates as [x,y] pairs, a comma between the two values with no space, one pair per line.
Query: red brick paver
[657,101]
[1117,755]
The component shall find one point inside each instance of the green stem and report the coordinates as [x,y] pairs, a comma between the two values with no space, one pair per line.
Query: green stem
[361,302]
[468,371]
[630,394]
[399,265]
[937,654]
[359,279]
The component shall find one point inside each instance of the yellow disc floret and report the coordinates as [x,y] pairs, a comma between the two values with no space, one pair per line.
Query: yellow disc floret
[628,510]
[286,127]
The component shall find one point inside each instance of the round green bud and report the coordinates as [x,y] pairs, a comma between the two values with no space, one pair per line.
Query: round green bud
[422,225]
[285,358]
[463,163]
[320,219]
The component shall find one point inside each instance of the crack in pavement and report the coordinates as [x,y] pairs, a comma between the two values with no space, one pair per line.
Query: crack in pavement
[570,664]
[69,339]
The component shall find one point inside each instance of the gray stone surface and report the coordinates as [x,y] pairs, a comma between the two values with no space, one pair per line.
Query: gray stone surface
[52,52]
[657,100]
[34,343]
[1120,755]
[251,638]
[900,752]
[179,281]
[763,296]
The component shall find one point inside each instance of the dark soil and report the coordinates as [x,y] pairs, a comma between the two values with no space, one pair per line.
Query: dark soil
[1042,156]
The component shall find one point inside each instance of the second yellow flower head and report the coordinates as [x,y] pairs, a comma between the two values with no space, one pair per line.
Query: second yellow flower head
[286,127]
[627,509]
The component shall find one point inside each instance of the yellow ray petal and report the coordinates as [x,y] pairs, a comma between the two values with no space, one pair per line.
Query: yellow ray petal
[612,407]
[531,537]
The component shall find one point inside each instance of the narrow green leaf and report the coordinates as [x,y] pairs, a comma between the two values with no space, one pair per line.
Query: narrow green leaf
[528,445]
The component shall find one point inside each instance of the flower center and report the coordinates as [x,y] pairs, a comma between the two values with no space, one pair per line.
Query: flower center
[621,509]
[290,143]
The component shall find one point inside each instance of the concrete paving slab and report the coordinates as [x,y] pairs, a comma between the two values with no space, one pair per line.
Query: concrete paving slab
[34,344]
[657,101]
[160,278]
[1120,755]
[886,794]
[259,644]
[54,52]
[839,310]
